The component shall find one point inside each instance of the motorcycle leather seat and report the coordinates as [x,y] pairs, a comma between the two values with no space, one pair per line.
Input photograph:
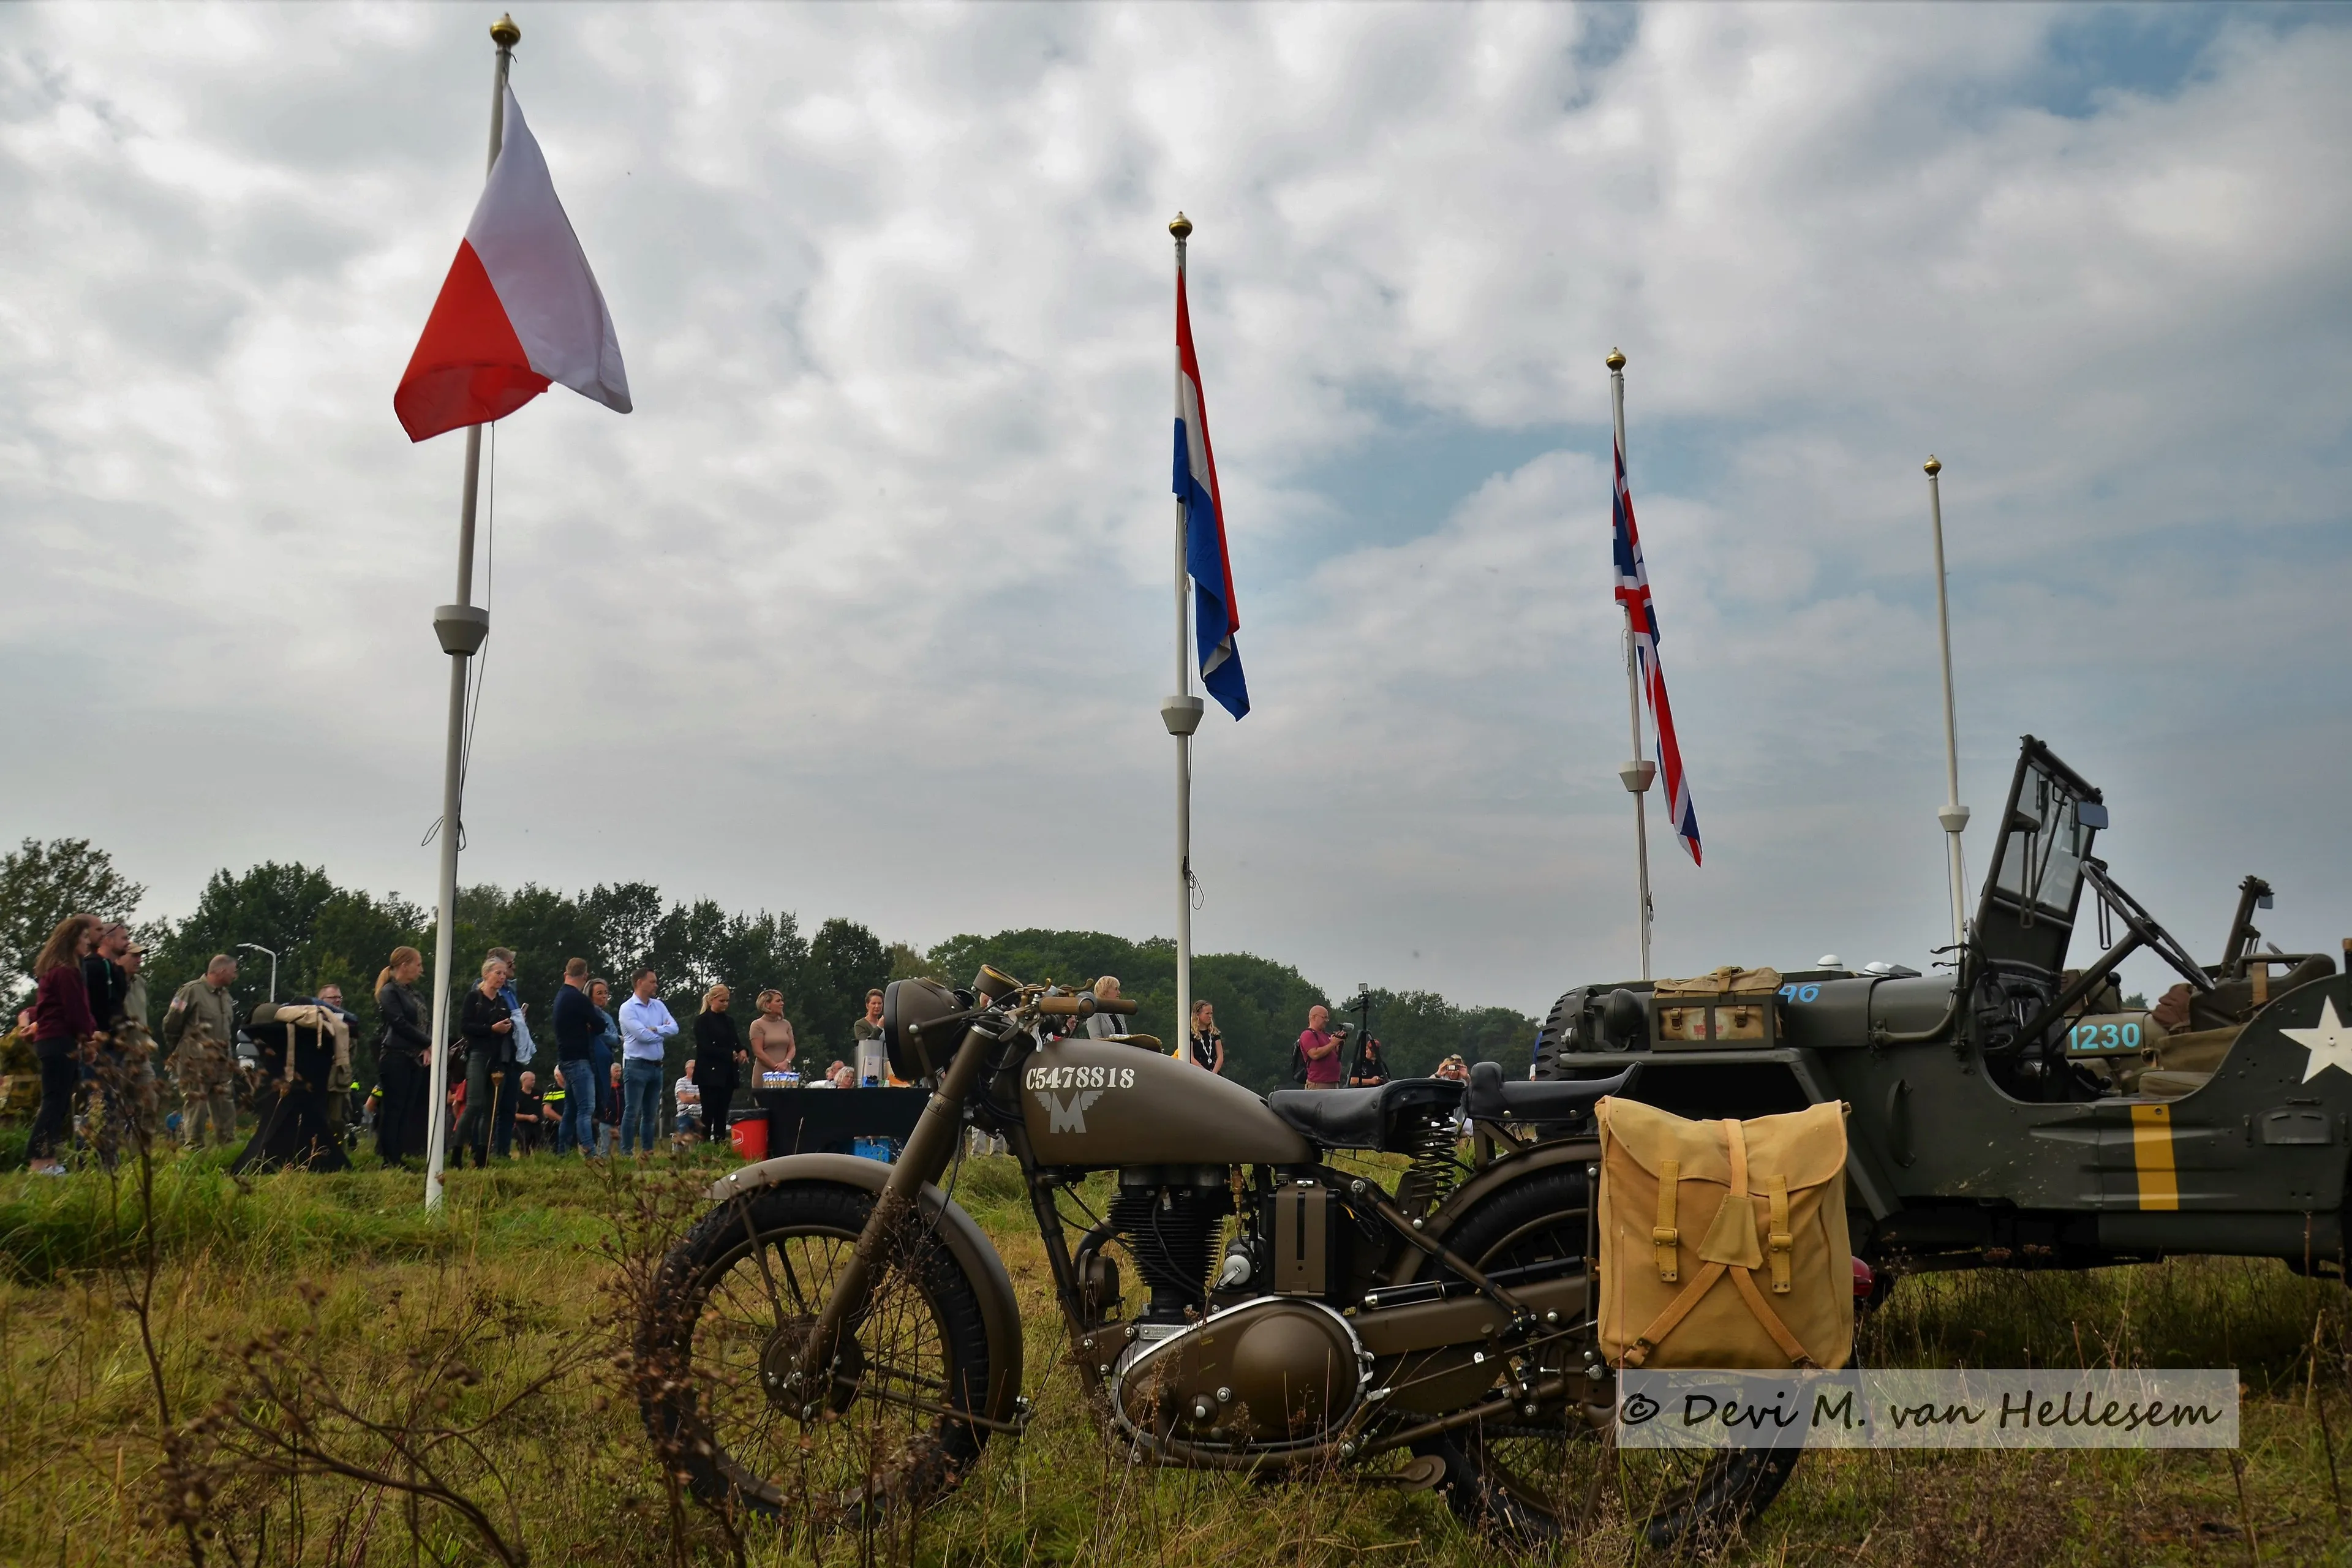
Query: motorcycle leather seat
[1493,1098]
[1359,1118]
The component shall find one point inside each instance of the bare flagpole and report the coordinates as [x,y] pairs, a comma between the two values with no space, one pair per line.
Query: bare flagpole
[461,628]
[1182,714]
[1954,817]
[1637,773]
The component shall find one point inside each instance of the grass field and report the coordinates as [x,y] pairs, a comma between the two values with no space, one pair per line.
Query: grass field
[487,1344]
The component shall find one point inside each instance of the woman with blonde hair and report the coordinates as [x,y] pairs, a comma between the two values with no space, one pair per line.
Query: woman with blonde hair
[64,1033]
[716,1051]
[1102,1025]
[403,1057]
[771,1033]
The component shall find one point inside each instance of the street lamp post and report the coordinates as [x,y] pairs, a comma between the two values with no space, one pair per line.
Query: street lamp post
[257,947]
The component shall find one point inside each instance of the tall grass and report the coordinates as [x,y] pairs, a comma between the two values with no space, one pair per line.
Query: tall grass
[49,1228]
[345,1273]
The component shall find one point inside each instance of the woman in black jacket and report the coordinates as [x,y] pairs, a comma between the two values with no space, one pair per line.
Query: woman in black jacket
[488,1026]
[403,1059]
[716,1052]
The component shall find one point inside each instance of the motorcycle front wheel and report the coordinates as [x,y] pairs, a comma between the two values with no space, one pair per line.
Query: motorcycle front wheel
[721,1335]
[1535,1480]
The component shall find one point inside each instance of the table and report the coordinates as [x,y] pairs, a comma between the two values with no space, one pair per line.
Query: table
[825,1120]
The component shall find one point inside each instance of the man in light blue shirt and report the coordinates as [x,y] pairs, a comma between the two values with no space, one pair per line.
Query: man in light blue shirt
[646,1026]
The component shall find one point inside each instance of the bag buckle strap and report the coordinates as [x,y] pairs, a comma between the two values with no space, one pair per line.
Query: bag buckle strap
[1664,1236]
[1778,1243]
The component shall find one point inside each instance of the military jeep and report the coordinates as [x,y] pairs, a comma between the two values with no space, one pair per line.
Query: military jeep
[2006,1111]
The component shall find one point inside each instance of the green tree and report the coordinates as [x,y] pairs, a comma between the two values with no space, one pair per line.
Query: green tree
[320,932]
[544,929]
[624,917]
[41,884]
[844,962]
[1261,1006]
[1419,1029]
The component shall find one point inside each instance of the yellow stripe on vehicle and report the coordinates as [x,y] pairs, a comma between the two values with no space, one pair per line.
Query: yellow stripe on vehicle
[2159,1186]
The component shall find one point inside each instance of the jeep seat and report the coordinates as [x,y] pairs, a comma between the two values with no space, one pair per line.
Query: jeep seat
[1360,1118]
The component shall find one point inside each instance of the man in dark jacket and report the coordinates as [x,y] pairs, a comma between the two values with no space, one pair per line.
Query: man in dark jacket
[576,1027]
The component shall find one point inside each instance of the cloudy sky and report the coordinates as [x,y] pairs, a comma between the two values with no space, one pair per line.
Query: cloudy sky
[866,610]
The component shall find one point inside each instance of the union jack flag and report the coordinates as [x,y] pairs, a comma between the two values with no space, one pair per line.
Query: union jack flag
[1633,592]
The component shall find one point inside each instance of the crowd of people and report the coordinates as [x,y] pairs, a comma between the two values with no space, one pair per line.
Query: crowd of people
[602,1094]
[89,1030]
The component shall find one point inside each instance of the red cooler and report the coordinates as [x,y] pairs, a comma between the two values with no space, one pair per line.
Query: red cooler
[749,1130]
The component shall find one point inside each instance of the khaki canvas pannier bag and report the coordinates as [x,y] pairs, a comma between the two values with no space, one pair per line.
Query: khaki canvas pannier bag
[1723,1244]
[1729,1007]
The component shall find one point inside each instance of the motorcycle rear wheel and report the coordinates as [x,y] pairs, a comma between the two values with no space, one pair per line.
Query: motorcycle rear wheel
[737,1298]
[1535,1481]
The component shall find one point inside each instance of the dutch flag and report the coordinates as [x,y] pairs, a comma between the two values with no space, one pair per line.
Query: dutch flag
[1215,616]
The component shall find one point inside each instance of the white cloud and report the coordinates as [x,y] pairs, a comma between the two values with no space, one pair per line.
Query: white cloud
[864,610]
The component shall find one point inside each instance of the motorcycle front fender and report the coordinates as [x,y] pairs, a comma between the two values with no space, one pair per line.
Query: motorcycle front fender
[1000,1311]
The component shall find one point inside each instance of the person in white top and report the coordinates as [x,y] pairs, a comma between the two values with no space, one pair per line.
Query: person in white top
[688,1096]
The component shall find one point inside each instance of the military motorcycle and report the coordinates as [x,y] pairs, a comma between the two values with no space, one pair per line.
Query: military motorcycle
[839,1335]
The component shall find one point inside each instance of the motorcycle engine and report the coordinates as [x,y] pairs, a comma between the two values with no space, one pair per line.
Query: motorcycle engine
[1168,1215]
[1274,1373]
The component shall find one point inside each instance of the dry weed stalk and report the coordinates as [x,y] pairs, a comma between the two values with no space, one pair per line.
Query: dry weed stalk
[285,1418]
[127,1113]
[651,1216]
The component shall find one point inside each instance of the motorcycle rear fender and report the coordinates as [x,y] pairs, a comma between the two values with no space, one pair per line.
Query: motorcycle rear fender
[1000,1311]
[1484,1185]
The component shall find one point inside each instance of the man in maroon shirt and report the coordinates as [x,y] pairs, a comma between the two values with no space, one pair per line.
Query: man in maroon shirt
[1321,1048]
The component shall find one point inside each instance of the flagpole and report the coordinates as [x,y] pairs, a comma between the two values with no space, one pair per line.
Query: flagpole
[1954,817]
[1182,714]
[1636,774]
[460,628]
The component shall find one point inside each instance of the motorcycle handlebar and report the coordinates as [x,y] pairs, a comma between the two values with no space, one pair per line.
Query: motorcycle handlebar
[1081,1006]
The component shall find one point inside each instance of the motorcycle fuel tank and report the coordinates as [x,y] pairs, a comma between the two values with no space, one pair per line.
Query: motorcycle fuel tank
[1102,1103]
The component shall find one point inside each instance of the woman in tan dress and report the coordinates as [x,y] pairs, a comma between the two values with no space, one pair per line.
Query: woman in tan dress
[772,1034]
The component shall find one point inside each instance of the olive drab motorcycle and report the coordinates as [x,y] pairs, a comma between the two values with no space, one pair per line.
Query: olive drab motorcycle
[838,1334]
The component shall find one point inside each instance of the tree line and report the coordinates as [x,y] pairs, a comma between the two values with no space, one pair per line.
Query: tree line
[324,934]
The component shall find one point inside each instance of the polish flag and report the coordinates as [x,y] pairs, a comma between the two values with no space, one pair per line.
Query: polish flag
[519,310]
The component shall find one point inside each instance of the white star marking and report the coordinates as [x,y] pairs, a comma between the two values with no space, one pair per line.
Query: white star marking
[2330,1044]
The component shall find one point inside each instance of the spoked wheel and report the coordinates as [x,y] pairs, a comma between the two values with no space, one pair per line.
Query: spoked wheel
[1538,1479]
[719,1348]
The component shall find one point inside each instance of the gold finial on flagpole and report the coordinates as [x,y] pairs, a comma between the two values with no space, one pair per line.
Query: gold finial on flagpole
[1616,359]
[1182,227]
[1932,466]
[504,34]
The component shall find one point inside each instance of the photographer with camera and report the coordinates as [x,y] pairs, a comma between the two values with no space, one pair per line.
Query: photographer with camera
[1317,1061]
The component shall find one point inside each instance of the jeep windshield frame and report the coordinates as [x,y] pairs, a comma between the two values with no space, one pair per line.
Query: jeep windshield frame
[2033,889]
